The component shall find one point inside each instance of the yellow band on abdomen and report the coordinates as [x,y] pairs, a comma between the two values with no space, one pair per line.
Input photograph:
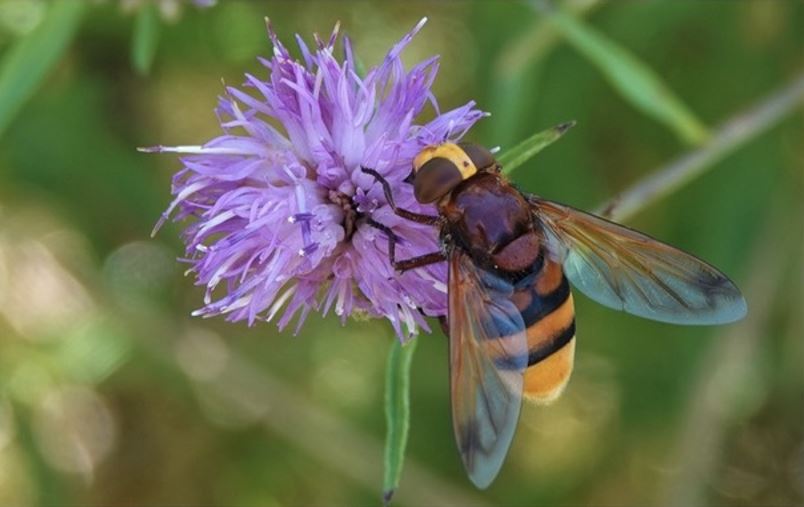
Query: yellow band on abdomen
[546,380]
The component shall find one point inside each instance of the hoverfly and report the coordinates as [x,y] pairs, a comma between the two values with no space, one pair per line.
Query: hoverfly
[511,320]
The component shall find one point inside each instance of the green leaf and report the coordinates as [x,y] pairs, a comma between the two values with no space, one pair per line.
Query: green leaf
[635,81]
[28,62]
[146,38]
[524,151]
[397,413]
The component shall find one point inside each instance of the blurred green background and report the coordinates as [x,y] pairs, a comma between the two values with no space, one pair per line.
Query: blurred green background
[110,394]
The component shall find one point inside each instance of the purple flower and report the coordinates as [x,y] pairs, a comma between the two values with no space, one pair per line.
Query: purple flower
[277,206]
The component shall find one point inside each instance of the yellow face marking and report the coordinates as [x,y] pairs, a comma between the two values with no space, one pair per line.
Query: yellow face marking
[451,152]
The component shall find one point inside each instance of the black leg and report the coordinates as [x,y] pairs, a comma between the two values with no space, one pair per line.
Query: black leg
[405,264]
[416,217]
[421,260]
[393,239]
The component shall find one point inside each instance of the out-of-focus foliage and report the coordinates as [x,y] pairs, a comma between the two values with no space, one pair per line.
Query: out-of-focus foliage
[111,394]
[28,61]
[632,78]
[145,38]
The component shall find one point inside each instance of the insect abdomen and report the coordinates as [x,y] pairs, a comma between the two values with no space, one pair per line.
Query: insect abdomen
[549,315]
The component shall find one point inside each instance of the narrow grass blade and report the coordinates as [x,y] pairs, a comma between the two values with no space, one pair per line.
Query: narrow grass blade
[397,413]
[145,39]
[729,136]
[535,43]
[524,151]
[633,79]
[27,63]
[517,72]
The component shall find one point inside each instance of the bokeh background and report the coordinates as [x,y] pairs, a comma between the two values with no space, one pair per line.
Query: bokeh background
[111,394]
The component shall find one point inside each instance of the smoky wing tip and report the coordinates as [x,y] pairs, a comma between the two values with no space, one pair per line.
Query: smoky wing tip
[387,495]
[739,303]
[482,482]
[730,307]
[741,307]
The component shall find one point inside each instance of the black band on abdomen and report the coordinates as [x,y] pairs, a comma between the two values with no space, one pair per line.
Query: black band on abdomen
[540,353]
[541,306]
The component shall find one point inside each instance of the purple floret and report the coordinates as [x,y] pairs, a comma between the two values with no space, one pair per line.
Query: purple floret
[276,207]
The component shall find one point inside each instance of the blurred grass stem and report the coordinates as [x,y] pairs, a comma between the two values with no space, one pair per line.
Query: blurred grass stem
[632,78]
[26,65]
[532,46]
[725,139]
[145,39]
[515,78]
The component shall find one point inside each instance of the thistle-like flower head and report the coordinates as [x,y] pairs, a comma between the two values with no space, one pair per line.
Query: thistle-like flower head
[277,207]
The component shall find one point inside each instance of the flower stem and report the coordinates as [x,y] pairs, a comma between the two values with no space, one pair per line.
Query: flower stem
[725,139]
[397,413]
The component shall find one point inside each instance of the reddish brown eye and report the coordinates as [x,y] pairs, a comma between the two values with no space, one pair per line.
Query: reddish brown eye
[480,156]
[435,179]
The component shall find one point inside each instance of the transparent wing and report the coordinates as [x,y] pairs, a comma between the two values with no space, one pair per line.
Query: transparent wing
[627,270]
[488,355]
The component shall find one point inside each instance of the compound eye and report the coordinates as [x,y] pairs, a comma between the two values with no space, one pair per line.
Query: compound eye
[480,156]
[437,177]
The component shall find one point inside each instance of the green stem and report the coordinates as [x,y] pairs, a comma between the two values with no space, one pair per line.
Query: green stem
[397,413]
[725,139]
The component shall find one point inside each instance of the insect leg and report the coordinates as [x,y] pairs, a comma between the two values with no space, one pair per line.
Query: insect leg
[416,217]
[405,264]
[392,238]
[419,261]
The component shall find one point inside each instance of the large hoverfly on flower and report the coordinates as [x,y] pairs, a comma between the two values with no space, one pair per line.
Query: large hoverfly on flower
[512,258]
